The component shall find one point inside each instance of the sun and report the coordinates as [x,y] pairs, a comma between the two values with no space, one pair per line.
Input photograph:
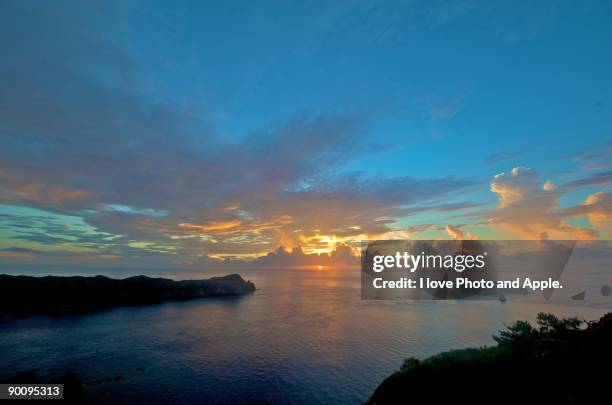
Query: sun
[319,267]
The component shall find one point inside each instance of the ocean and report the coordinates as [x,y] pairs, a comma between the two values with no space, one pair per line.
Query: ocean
[303,337]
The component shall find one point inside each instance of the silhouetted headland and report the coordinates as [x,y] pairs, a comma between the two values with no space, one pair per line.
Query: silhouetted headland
[561,361]
[56,295]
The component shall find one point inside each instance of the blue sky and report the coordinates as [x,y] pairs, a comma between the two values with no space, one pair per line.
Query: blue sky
[187,132]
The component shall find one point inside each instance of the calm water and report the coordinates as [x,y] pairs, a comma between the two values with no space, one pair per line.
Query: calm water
[303,337]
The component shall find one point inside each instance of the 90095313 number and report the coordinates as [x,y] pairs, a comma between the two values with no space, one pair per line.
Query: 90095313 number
[31,391]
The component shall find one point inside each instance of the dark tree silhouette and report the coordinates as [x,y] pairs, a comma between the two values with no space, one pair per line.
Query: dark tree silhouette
[559,361]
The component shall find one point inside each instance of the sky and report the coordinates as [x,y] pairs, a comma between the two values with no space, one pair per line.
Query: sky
[282,133]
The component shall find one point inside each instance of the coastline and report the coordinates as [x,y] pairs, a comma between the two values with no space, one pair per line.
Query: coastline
[22,295]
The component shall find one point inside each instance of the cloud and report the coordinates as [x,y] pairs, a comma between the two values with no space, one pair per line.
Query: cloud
[41,193]
[236,226]
[342,256]
[530,210]
[102,152]
[596,179]
[549,185]
[135,176]
[597,208]
[457,234]
[595,157]
[96,166]
[504,156]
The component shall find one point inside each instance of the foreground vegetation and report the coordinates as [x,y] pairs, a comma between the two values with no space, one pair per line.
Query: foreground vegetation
[559,361]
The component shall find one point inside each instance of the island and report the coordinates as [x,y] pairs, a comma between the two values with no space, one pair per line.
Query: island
[558,361]
[20,295]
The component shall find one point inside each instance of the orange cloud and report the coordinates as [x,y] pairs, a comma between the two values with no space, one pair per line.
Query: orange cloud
[341,256]
[236,226]
[214,226]
[530,210]
[44,193]
[600,205]
[458,234]
[597,208]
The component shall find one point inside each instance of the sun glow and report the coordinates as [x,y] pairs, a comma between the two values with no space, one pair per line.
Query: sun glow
[326,244]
